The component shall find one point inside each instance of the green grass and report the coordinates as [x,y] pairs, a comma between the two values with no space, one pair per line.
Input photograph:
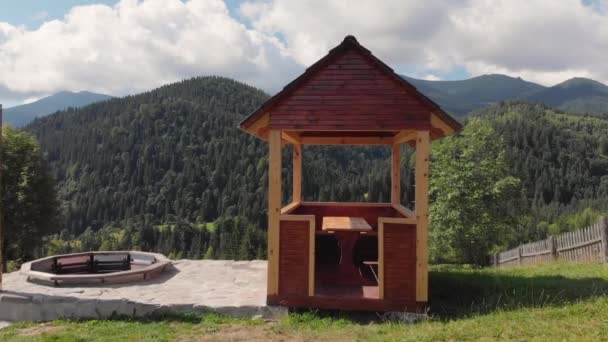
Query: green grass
[549,302]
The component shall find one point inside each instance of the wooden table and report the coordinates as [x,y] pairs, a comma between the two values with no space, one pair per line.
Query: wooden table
[347,231]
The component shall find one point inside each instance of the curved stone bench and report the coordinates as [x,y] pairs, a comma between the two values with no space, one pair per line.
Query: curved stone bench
[143,266]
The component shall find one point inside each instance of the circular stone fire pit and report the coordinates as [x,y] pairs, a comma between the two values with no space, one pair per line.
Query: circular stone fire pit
[96,267]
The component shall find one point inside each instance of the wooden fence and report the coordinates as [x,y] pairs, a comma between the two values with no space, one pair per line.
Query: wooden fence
[589,244]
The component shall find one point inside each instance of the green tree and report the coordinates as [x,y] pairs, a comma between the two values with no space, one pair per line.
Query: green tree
[475,203]
[29,201]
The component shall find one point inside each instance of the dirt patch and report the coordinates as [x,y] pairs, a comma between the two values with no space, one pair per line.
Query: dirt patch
[39,329]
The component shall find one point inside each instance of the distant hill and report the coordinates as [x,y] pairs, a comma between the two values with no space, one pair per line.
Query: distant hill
[19,116]
[462,97]
[577,95]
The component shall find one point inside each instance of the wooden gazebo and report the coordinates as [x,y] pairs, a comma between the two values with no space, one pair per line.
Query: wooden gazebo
[351,256]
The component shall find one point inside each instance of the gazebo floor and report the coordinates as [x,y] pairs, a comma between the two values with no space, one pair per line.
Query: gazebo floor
[348,291]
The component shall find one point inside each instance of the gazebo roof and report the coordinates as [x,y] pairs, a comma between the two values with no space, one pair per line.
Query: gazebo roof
[349,97]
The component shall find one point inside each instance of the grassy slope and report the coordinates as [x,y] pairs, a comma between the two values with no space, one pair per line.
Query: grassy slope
[552,302]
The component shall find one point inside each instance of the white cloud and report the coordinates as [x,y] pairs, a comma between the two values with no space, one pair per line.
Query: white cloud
[135,46]
[543,40]
[138,45]
[431,77]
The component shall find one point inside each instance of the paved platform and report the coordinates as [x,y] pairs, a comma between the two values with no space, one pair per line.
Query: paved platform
[236,288]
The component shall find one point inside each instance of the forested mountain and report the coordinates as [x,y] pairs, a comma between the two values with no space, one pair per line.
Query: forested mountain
[577,95]
[173,158]
[22,115]
[168,170]
[561,159]
[462,97]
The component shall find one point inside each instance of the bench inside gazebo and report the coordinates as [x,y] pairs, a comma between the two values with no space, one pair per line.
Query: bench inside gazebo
[349,256]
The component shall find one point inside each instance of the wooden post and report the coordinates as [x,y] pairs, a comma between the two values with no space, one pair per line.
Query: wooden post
[274,209]
[496,260]
[423,147]
[553,247]
[519,255]
[604,235]
[396,174]
[297,173]
[1,211]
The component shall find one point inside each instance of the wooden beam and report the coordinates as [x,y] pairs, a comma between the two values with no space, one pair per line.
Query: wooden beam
[436,122]
[311,257]
[422,214]
[291,137]
[289,208]
[381,258]
[404,136]
[274,210]
[260,126]
[404,211]
[396,174]
[347,140]
[297,173]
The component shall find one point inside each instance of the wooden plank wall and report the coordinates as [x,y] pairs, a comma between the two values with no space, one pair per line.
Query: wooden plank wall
[293,264]
[399,247]
[589,244]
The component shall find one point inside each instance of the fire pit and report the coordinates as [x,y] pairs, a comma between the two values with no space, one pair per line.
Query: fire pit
[96,267]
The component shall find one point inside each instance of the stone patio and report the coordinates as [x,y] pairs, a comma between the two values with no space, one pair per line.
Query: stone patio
[235,288]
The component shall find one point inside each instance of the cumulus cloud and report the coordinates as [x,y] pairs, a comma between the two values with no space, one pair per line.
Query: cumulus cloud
[135,46]
[140,44]
[546,41]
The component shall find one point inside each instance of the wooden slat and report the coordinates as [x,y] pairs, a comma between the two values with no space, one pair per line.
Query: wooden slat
[346,140]
[422,214]
[297,173]
[274,209]
[396,174]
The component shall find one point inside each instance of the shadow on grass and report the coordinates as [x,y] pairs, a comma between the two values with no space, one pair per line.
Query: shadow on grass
[456,293]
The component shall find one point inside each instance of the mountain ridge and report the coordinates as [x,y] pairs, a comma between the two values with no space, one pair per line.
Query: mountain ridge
[460,97]
[21,115]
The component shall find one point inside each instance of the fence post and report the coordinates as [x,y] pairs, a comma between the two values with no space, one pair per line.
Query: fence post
[553,247]
[496,261]
[519,253]
[604,236]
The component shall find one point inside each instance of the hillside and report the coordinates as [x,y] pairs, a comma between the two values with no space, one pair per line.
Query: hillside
[577,95]
[19,116]
[174,157]
[462,97]
[562,159]
[169,171]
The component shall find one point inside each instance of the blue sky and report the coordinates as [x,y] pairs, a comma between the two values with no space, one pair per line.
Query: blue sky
[32,13]
[136,45]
